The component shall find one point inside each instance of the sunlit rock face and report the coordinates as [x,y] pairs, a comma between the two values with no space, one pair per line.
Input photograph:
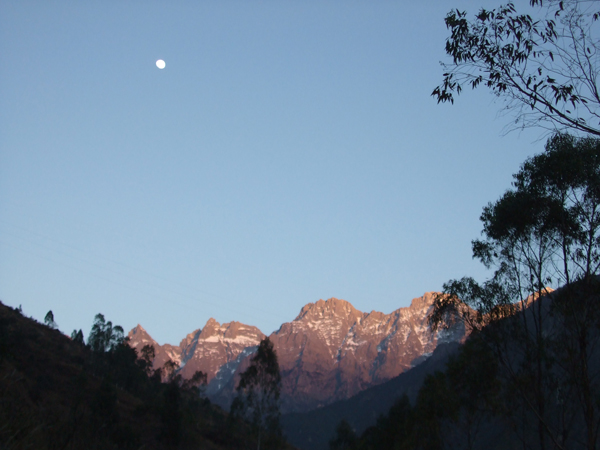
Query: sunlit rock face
[217,345]
[138,338]
[330,351]
[206,349]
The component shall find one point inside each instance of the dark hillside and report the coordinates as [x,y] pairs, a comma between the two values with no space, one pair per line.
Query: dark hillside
[482,399]
[58,394]
[314,429]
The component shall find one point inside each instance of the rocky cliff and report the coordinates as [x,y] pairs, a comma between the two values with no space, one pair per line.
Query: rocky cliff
[332,351]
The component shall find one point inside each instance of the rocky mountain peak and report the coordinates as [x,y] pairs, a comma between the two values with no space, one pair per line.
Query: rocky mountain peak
[424,302]
[138,329]
[138,337]
[327,309]
[190,339]
[211,326]
[213,331]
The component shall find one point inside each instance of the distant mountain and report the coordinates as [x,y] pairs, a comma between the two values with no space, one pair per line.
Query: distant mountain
[208,349]
[138,338]
[330,351]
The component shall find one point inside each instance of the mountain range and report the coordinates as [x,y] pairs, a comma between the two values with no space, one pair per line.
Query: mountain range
[331,351]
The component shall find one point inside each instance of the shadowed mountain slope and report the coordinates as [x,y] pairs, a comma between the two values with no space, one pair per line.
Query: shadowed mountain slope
[312,430]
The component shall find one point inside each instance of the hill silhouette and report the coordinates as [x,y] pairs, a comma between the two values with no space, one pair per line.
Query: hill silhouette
[56,393]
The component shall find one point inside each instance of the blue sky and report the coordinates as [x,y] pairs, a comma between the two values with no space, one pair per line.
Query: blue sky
[289,151]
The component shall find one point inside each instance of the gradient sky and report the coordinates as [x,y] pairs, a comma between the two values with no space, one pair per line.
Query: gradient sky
[290,151]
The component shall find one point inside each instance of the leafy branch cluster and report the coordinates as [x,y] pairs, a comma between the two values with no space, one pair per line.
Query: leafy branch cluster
[543,232]
[546,68]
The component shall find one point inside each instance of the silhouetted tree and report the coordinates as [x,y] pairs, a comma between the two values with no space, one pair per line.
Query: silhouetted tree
[169,369]
[170,415]
[345,437]
[146,358]
[104,337]
[576,307]
[258,393]
[197,382]
[546,230]
[545,68]
[436,401]
[49,320]
[124,368]
[453,405]
[77,336]
[395,430]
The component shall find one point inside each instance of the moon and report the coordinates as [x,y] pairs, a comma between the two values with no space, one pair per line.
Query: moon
[160,64]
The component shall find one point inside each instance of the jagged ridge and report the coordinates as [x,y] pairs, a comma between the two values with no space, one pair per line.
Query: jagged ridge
[330,351]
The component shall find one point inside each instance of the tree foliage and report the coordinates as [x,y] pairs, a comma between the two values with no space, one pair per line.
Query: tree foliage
[258,393]
[146,358]
[49,320]
[103,336]
[394,430]
[545,68]
[169,370]
[543,232]
[345,437]
[197,383]
[77,336]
